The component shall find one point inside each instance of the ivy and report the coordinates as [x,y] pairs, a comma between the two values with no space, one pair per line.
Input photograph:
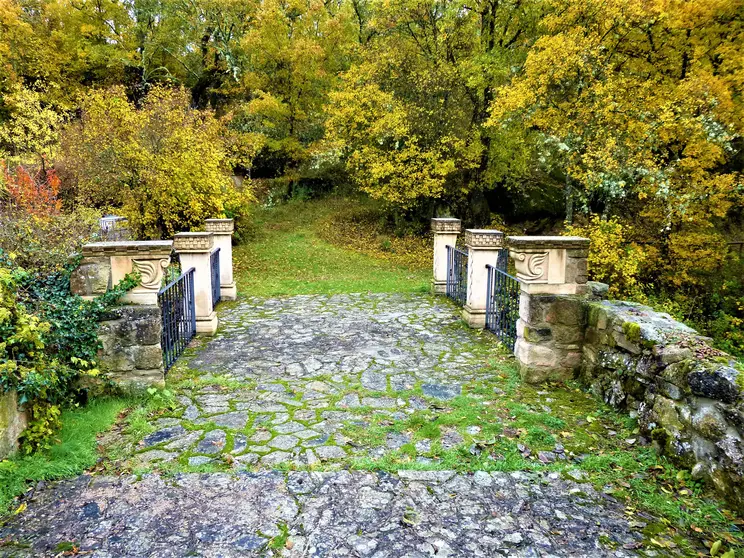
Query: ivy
[49,339]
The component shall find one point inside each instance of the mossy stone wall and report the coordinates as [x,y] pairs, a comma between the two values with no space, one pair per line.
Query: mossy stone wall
[688,397]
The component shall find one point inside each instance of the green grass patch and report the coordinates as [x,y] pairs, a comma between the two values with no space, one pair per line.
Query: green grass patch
[76,451]
[286,255]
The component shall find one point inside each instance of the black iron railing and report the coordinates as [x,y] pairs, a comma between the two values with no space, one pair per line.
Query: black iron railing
[177,309]
[457,275]
[502,301]
[214,265]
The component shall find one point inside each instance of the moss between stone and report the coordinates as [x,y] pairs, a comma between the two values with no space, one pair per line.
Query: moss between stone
[632,331]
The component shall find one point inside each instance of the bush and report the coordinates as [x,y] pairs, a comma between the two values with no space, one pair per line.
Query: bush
[164,166]
[49,337]
[33,227]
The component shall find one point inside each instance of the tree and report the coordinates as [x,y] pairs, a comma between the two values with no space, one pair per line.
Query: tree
[433,65]
[642,101]
[163,165]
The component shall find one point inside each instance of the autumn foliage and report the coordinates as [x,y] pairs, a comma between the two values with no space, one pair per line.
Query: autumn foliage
[34,192]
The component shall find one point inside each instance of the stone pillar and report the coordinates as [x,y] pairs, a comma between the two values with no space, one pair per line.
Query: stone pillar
[483,248]
[194,249]
[551,325]
[222,229]
[131,352]
[445,232]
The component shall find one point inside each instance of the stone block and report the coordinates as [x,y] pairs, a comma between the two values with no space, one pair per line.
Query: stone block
[708,420]
[147,357]
[566,311]
[537,335]
[220,226]
[12,423]
[535,355]
[567,335]
[672,353]
[445,225]
[715,382]
[598,290]
[92,277]
[193,242]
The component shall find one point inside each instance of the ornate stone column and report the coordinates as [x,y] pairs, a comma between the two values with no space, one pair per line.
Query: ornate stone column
[483,248]
[194,249]
[445,232]
[550,330]
[222,229]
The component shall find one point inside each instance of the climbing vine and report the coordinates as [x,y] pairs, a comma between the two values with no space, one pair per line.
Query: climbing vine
[49,339]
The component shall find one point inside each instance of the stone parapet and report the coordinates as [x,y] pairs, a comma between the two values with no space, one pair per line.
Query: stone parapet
[220,226]
[131,352]
[132,248]
[193,242]
[223,231]
[687,396]
[479,239]
[194,249]
[13,422]
[445,225]
[483,249]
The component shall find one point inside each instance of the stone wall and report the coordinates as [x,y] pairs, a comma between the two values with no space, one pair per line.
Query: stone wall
[132,353]
[12,423]
[688,397]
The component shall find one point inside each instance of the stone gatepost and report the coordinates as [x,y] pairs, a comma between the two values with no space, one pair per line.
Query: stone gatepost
[222,229]
[130,334]
[550,330]
[445,232]
[483,248]
[194,248]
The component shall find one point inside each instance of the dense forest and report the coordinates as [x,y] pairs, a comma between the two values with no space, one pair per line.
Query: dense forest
[617,119]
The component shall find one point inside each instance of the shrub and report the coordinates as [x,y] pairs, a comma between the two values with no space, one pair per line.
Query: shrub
[165,166]
[33,227]
[48,338]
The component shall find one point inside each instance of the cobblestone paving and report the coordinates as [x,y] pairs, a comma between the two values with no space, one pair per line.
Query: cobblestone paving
[284,377]
[301,368]
[416,514]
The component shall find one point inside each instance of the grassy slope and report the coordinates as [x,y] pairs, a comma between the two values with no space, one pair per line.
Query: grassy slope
[287,256]
[76,451]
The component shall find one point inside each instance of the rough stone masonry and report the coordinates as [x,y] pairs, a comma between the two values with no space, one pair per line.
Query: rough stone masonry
[688,396]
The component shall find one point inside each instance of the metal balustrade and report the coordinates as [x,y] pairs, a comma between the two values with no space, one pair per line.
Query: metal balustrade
[502,301]
[214,265]
[457,275]
[177,308]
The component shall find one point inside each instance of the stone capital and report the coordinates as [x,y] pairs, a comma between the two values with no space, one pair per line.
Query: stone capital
[445,225]
[131,248]
[220,226]
[550,264]
[186,242]
[106,263]
[483,239]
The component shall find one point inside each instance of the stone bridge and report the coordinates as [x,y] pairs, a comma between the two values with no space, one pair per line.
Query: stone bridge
[297,414]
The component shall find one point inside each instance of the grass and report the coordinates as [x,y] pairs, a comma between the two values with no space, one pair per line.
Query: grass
[287,254]
[76,451]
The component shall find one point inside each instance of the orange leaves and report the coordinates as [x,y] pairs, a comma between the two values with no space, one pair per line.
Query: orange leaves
[35,192]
